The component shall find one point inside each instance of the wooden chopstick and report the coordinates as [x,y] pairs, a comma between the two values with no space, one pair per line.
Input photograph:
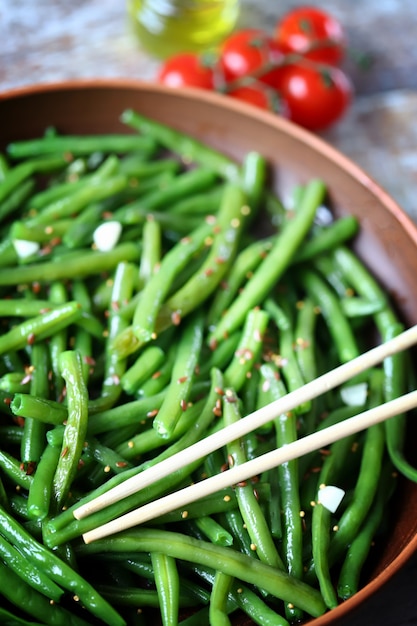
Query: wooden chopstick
[251,422]
[239,473]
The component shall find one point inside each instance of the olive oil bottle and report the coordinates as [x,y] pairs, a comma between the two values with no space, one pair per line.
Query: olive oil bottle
[167,27]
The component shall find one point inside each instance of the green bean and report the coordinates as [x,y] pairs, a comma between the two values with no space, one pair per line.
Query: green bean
[40,233]
[124,414]
[55,436]
[134,165]
[57,531]
[5,401]
[39,327]
[247,569]
[18,506]
[4,166]
[75,428]
[321,522]
[33,603]
[168,586]
[188,148]
[40,490]
[183,374]
[63,528]
[395,376]
[114,367]
[367,481]
[272,267]
[320,546]
[213,530]
[83,225]
[388,325]
[255,607]
[358,276]
[349,577]
[288,483]
[186,184]
[220,356]
[255,521]
[23,171]
[174,225]
[56,192]
[30,574]
[222,502]
[83,264]
[14,470]
[33,441]
[328,238]
[57,570]
[151,439]
[7,619]
[286,344]
[205,411]
[329,474]
[12,361]
[109,459]
[206,203]
[304,334]
[74,203]
[151,250]
[359,307]
[78,145]
[218,600]
[231,220]
[58,342]
[246,262]
[248,350]
[254,174]
[339,328]
[327,267]
[193,591]
[145,365]
[154,292]
[15,382]
[82,341]
[8,254]
[16,198]
[159,379]
[134,597]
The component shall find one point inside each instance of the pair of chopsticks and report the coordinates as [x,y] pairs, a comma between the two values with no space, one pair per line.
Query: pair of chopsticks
[251,422]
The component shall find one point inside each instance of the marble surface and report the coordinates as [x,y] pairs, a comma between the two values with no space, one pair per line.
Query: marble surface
[51,40]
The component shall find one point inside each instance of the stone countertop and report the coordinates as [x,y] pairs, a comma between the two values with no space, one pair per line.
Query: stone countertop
[52,40]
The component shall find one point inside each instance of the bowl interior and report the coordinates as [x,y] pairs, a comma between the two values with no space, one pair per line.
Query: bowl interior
[387,242]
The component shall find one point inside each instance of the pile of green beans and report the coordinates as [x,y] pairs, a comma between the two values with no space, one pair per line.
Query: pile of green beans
[114,358]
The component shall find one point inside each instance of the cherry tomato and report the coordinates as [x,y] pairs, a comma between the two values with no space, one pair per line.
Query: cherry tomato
[261,96]
[246,52]
[187,70]
[316,96]
[308,28]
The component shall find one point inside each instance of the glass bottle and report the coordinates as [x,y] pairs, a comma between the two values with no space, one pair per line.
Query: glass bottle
[166,27]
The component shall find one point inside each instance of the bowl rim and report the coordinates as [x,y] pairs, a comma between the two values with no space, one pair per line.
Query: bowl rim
[315,142]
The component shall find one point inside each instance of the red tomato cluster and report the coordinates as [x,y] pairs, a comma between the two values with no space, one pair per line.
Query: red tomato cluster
[296,72]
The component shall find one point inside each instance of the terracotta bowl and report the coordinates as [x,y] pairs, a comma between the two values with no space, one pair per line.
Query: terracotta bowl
[387,242]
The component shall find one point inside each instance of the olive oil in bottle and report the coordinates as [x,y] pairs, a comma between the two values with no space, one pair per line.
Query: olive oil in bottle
[167,27]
